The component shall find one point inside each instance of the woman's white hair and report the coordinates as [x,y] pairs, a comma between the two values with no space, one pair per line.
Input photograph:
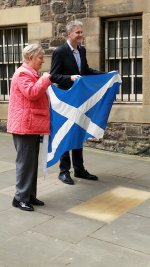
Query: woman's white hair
[31,50]
[73,24]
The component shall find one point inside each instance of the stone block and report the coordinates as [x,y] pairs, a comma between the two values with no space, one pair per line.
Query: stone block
[57,41]
[80,16]
[92,43]
[146,130]
[130,113]
[61,18]
[34,41]
[58,7]
[115,135]
[46,64]
[92,26]
[21,15]
[46,14]
[39,30]
[75,6]
[3,125]
[3,111]
[21,3]
[133,130]
[61,29]
[118,7]
[93,60]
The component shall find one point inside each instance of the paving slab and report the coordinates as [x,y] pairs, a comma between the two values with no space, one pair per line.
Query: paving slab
[31,250]
[6,166]
[143,209]
[96,253]
[131,231]
[5,202]
[7,178]
[72,228]
[15,221]
[143,180]
[108,206]
[83,190]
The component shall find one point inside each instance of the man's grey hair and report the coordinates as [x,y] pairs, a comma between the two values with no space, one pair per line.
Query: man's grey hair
[31,50]
[73,24]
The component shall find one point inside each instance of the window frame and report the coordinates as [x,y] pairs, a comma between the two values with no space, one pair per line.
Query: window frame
[121,97]
[10,55]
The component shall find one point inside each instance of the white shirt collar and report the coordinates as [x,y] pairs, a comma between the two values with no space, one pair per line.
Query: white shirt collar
[72,49]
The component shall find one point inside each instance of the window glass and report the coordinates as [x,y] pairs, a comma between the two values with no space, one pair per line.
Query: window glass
[126,67]
[1,54]
[112,30]
[17,36]
[137,27]
[8,53]
[3,72]
[124,28]
[25,36]
[126,85]
[137,85]
[7,37]
[4,87]
[123,51]
[1,37]
[113,65]
[11,70]
[136,47]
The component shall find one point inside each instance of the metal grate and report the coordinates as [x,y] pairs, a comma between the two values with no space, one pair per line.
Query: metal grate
[12,41]
[123,52]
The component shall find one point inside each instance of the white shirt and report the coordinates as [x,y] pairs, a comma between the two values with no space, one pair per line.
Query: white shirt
[76,55]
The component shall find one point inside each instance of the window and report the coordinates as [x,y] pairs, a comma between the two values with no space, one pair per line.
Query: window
[12,41]
[123,52]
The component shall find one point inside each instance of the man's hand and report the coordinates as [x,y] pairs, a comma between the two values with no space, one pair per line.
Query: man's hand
[74,77]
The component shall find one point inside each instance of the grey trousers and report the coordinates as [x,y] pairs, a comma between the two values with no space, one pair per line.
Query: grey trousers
[27,147]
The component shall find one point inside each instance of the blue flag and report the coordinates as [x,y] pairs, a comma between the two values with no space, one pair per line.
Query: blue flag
[80,113]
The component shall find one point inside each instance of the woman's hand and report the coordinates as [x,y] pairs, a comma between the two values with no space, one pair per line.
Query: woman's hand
[46,74]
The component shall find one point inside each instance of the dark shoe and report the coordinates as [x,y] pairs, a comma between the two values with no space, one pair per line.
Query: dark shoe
[22,205]
[84,174]
[36,202]
[65,178]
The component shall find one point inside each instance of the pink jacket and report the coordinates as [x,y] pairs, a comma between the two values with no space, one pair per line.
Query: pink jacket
[28,111]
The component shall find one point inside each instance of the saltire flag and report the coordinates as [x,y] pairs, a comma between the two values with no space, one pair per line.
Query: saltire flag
[80,113]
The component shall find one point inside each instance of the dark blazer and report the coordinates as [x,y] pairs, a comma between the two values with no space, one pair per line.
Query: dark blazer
[64,65]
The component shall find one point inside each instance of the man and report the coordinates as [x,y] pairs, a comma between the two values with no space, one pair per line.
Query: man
[68,64]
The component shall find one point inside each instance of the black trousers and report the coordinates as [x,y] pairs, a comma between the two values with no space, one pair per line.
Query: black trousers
[77,160]
[27,147]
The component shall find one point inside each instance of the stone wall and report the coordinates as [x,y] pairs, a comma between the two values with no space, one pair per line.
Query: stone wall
[56,11]
[60,12]
[129,129]
[125,138]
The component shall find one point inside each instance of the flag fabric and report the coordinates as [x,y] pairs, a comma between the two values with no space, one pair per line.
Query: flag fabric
[80,113]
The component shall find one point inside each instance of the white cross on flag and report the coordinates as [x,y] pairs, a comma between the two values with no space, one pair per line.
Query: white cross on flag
[80,113]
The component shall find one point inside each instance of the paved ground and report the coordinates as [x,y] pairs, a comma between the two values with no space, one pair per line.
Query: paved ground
[90,224]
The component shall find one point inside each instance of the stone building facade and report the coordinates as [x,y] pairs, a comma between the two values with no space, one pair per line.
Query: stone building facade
[128,130]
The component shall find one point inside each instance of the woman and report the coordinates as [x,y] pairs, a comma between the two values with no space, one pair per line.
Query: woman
[28,118]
